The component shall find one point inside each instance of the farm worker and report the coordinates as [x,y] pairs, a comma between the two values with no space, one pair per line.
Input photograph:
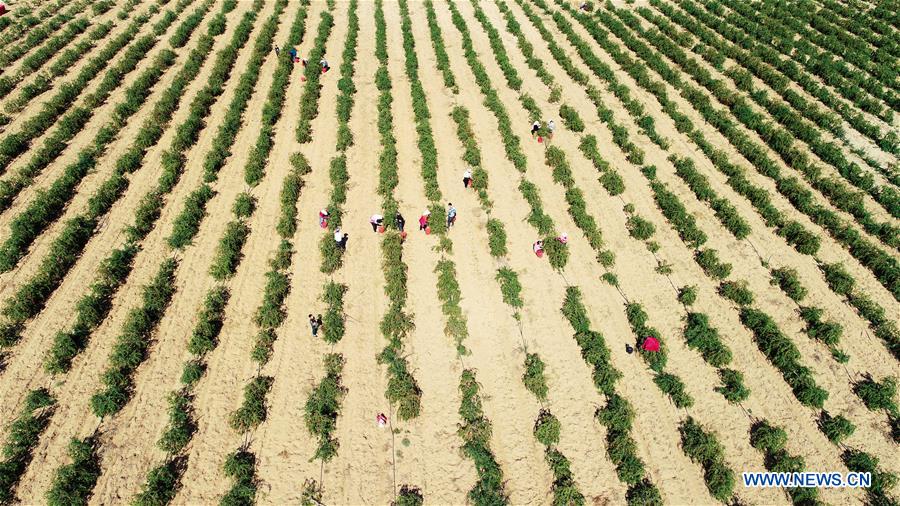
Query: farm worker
[381,419]
[338,235]
[399,222]
[467,178]
[324,64]
[304,61]
[342,243]
[277,51]
[538,248]
[2,9]
[314,325]
[376,220]
[551,126]
[628,349]
[451,215]
[535,127]
[583,6]
[423,220]
[564,238]
[293,53]
[650,344]
[323,217]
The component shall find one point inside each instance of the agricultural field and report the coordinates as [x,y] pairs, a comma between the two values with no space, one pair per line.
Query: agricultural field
[716,289]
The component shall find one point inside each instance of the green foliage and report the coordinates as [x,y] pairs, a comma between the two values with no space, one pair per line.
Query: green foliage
[187,224]
[253,410]
[440,52]
[784,355]
[409,496]
[789,282]
[701,336]
[228,253]
[732,387]
[737,292]
[592,344]
[640,228]
[240,466]
[162,484]
[23,437]
[309,101]
[571,118]
[181,424]
[132,345]
[546,428]
[534,376]
[637,318]
[450,295]
[702,447]
[835,428]
[687,295]
[565,491]
[333,322]
[244,205]
[672,386]
[825,331]
[323,407]
[510,287]
[496,237]
[708,260]
[877,395]
[74,483]
[882,481]
[475,432]
[204,338]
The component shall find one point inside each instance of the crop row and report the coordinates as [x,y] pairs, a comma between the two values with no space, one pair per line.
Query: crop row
[476,431]
[43,82]
[700,333]
[547,427]
[64,252]
[403,389]
[49,205]
[40,56]
[833,71]
[17,143]
[24,434]
[557,252]
[41,33]
[271,312]
[782,142]
[630,470]
[440,51]
[822,119]
[616,415]
[323,405]
[163,480]
[787,67]
[872,257]
[309,101]
[777,80]
[26,19]
[332,255]
[95,305]
[778,139]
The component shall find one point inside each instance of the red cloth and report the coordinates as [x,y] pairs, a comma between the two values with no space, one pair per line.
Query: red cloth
[423,220]
[650,344]
[2,9]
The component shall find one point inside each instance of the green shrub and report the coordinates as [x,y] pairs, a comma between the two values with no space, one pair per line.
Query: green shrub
[74,483]
[162,484]
[877,395]
[546,428]
[228,253]
[333,323]
[732,387]
[240,466]
[835,428]
[181,424]
[496,237]
[510,287]
[534,376]
[708,260]
[674,388]
[698,334]
[640,228]
[702,447]
[253,410]
[827,332]
[565,490]
[687,295]
[323,407]
[789,282]
[409,496]
[737,292]
[571,118]
[244,205]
